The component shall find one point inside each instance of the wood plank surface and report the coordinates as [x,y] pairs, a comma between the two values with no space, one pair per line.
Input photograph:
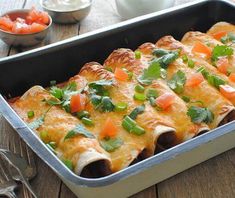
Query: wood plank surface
[213,178]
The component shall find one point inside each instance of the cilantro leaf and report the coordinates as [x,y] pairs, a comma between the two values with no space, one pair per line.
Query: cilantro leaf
[53,101]
[98,87]
[228,38]
[221,50]
[111,144]
[199,115]
[176,83]
[167,59]
[57,92]
[215,81]
[138,110]
[151,73]
[79,130]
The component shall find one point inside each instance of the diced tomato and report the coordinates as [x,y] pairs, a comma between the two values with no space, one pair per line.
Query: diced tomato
[36,27]
[77,103]
[194,80]
[120,74]
[164,101]
[219,35]
[109,129]
[222,65]
[20,28]
[232,77]
[227,91]
[199,47]
[6,23]
[37,17]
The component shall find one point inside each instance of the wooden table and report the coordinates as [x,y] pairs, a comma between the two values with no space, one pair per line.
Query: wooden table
[213,178]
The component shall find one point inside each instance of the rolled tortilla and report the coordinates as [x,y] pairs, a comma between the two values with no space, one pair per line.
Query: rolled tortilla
[221,27]
[185,129]
[169,43]
[82,151]
[134,146]
[191,38]
[208,95]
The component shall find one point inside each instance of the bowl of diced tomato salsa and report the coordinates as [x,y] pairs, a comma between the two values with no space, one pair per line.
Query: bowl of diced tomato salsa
[24,27]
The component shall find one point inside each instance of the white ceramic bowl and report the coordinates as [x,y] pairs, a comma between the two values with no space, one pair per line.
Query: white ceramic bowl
[133,8]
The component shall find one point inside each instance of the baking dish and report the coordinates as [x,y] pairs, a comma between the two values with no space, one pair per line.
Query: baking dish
[61,60]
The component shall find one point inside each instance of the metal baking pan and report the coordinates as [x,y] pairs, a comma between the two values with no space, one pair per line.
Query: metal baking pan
[64,59]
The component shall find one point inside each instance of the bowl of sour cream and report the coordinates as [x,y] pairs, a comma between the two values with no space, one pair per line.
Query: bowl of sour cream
[67,11]
[132,8]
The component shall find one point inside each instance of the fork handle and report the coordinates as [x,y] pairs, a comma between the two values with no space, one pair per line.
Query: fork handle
[11,194]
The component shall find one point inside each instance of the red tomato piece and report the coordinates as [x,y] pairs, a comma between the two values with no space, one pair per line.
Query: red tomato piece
[166,100]
[222,65]
[120,74]
[6,23]
[219,35]
[109,129]
[232,77]
[227,91]
[36,27]
[194,80]
[199,47]
[77,103]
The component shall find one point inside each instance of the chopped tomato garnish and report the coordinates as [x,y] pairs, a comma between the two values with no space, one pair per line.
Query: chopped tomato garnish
[77,103]
[219,35]
[194,80]
[35,21]
[6,23]
[120,74]
[222,65]
[227,91]
[164,101]
[109,129]
[232,77]
[201,48]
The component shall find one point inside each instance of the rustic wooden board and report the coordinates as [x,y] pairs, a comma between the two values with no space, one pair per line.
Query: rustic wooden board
[214,178]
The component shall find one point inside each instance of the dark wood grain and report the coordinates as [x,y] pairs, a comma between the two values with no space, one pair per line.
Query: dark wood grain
[213,178]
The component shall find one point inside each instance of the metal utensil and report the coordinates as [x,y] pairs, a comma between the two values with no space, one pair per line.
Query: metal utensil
[7,184]
[19,169]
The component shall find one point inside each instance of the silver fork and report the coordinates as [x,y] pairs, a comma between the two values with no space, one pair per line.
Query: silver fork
[7,184]
[19,168]
[18,146]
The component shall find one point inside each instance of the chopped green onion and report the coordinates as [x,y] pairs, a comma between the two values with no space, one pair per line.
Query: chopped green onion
[43,135]
[138,110]
[139,96]
[191,63]
[87,121]
[185,58]
[30,114]
[68,163]
[139,88]
[137,54]
[82,114]
[186,99]
[152,93]
[137,130]
[121,106]
[131,126]
[160,52]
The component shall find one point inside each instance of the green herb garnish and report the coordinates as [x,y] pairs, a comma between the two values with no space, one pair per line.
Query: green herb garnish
[191,63]
[139,88]
[153,72]
[200,114]
[152,93]
[68,163]
[79,130]
[221,50]
[139,96]
[230,37]
[185,99]
[121,106]
[111,144]
[176,83]
[137,54]
[87,121]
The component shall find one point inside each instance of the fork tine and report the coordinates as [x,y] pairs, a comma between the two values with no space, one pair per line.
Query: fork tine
[4,172]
